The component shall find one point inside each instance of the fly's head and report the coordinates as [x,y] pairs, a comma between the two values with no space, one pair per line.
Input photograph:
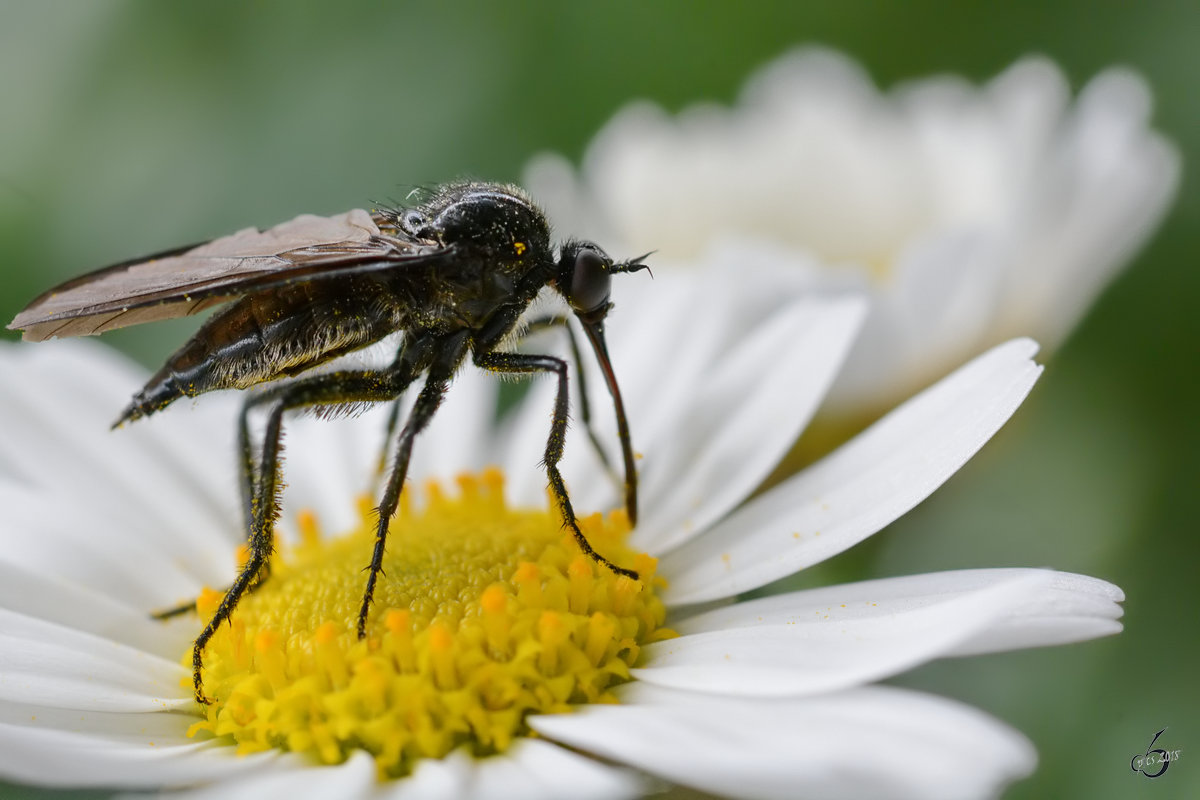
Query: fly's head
[584,279]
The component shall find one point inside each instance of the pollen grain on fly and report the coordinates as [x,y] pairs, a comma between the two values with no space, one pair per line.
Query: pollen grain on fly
[489,614]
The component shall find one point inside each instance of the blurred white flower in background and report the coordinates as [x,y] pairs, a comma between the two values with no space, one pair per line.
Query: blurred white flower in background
[970,214]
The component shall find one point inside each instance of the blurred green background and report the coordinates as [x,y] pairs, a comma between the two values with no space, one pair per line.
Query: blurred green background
[128,127]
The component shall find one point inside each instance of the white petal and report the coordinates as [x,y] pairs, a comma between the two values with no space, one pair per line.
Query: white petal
[164,495]
[523,435]
[635,325]
[433,779]
[76,543]
[71,605]
[870,742]
[646,366]
[687,407]
[140,729]
[501,778]
[563,773]
[57,758]
[933,314]
[742,419]
[347,781]
[831,638]
[1066,608]
[983,212]
[459,438]
[47,664]
[667,338]
[1108,182]
[860,488]
[329,464]
[49,385]
[538,770]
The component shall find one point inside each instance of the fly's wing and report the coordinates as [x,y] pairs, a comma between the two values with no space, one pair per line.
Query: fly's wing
[190,280]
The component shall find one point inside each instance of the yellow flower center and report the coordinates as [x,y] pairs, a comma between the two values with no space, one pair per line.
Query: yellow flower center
[484,615]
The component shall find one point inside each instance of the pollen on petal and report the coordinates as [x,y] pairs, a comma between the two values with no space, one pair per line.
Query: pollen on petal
[483,616]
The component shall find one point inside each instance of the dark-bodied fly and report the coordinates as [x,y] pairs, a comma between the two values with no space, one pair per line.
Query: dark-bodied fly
[453,273]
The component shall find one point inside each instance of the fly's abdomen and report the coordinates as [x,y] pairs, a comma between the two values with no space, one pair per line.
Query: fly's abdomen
[272,335]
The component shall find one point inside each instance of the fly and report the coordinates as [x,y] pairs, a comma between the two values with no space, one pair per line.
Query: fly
[453,274]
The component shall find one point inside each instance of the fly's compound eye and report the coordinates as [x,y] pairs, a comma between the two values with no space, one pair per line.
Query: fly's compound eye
[591,282]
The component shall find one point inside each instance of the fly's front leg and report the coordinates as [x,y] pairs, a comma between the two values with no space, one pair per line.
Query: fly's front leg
[585,411]
[338,387]
[520,363]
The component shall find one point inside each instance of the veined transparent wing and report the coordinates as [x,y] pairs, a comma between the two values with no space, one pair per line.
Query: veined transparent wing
[191,279]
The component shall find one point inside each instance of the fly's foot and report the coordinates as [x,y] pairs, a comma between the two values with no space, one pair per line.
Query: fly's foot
[197,679]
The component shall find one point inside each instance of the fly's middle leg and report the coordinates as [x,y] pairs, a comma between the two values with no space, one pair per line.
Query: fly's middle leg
[443,357]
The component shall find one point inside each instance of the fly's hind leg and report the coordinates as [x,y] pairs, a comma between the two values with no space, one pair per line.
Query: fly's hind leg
[520,363]
[260,494]
[246,485]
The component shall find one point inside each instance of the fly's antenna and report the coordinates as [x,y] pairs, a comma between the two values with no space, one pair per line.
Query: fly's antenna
[633,264]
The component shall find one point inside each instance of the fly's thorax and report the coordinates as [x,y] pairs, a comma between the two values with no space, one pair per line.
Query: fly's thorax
[501,255]
[494,222]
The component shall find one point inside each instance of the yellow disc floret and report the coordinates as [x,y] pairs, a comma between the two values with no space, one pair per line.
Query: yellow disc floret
[485,614]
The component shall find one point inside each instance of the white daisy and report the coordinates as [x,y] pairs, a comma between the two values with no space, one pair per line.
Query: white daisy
[970,214]
[500,624]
